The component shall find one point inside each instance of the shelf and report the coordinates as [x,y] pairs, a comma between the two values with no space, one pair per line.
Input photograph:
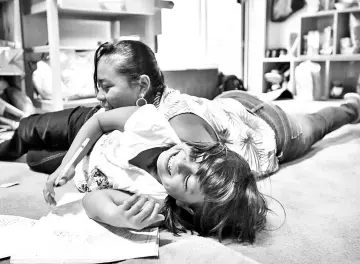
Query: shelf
[47,105]
[83,13]
[46,48]
[314,58]
[337,57]
[332,12]
[350,57]
[4,73]
[300,58]
[280,60]
[333,67]
[83,102]
[349,10]
[62,21]
[321,13]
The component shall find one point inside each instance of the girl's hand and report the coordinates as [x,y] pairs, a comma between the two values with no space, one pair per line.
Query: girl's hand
[48,190]
[137,213]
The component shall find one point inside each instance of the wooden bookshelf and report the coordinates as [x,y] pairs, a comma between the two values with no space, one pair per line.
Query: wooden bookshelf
[344,68]
[51,26]
[47,105]
[92,12]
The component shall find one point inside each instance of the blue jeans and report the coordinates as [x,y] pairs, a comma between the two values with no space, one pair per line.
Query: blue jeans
[296,133]
[45,137]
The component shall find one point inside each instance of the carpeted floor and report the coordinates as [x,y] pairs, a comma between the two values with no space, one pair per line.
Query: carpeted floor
[320,195]
[321,198]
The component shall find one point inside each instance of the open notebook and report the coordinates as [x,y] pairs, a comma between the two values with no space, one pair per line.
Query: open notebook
[67,235]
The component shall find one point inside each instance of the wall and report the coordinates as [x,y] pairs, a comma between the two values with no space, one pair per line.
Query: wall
[211,33]
[224,35]
[254,53]
[278,32]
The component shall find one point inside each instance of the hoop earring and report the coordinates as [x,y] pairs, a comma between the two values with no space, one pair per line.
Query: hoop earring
[141,101]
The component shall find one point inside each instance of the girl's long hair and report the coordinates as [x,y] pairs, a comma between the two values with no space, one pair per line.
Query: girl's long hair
[233,206]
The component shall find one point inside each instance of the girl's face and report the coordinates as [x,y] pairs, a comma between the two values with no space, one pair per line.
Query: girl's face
[114,88]
[177,174]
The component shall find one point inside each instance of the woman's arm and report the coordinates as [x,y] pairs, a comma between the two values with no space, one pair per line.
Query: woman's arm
[120,209]
[92,129]
[96,126]
[190,127]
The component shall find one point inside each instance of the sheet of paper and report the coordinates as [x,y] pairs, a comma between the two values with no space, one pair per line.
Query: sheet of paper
[11,229]
[68,235]
[7,221]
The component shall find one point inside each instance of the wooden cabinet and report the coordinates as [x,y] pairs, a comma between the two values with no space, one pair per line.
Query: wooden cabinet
[335,66]
[53,25]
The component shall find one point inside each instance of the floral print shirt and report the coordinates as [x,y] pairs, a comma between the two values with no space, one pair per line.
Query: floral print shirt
[247,134]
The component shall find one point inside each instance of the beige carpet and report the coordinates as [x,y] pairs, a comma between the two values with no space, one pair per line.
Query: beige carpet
[320,194]
[321,197]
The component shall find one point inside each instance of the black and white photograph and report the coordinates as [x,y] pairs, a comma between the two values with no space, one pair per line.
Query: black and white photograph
[179,131]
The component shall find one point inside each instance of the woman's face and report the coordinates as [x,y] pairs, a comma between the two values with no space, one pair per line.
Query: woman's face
[114,88]
[177,174]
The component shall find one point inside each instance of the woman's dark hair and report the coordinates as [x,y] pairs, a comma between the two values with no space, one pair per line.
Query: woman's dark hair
[233,206]
[135,59]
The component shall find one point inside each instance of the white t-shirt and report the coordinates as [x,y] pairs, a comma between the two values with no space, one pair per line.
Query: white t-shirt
[107,166]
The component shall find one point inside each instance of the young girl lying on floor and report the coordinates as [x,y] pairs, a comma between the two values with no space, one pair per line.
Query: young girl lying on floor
[211,188]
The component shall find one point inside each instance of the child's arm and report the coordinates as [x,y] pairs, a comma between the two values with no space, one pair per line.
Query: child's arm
[95,127]
[120,209]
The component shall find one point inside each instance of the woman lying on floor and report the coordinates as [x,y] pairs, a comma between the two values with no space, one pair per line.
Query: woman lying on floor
[211,188]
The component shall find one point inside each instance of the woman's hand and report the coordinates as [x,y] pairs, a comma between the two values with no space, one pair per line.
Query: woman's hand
[120,209]
[48,190]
